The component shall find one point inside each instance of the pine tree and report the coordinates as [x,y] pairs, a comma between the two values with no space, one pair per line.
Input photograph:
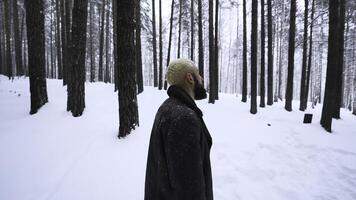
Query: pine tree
[270,55]
[302,105]
[36,54]
[253,108]
[160,47]
[8,59]
[139,76]
[244,56]
[101,43]
[76,99]
[128,110]
[332,67]
[291,49]
[18,44]
[200,39]
[262,81]
[310,55]
[211,53]
[155,78]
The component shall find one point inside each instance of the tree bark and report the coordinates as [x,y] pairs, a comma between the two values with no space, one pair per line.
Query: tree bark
[302,103]
[180,27]
[58,41]
[36,53]
[211,53]
[160,47]
[139,76]
[18,44]
[192,29]
[253,108]
[8,59]
[91,49]
[77,68]
[332,67]
[244,56]
[200,38]
[128,110]
[155,78]
[216,51]
[101,43]
[270,55]
[262,81]
[107,45]
[291,49]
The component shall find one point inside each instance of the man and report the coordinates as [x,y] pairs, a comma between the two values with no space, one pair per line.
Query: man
[178,163]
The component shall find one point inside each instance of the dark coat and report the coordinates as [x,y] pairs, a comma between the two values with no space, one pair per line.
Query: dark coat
[178,163]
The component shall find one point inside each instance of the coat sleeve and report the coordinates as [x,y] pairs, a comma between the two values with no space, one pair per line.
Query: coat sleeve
[184,158]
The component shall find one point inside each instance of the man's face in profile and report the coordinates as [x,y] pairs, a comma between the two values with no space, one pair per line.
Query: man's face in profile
[199,90]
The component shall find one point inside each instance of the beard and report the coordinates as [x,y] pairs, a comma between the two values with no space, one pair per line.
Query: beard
[199,90]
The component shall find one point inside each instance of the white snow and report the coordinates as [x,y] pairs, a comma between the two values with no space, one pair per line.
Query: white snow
[52,155]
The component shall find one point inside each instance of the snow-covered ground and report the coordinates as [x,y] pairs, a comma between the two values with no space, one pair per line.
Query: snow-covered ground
[52,155]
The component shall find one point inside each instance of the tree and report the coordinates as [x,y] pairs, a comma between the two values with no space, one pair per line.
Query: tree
[180,27]
[101,43]
[303,103]
[155,78]
[160,47]
[76,99]
[170,40]
[200,39]
[270,55]
[244,56]
[107,46]
[139,76]
[253,108]
[211,53]
[128,110]
[18,44]
[262,81]
[216,52]
[36,54]
[8,59]
[91,48]
[192,29]
[64,40]
[332,67]
[340,59]
[58,41]
[291,49]
[310,55]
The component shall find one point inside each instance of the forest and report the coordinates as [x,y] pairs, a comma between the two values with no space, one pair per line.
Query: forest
[264,51]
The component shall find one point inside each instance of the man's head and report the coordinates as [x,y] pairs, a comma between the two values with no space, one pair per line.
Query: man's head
[183,73]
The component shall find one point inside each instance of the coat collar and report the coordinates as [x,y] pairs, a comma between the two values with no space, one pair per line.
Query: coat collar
[178,93]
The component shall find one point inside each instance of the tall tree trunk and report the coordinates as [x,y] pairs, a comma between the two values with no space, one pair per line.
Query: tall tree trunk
[160,47]
[192,29]
[211,53]
[58,41]
[310,55]
[302,104]
[253,108]
[128,110]
[216,51]
[8,59]
[291,49]
[139,76]
[36,53]
[170,41]
[101,43]
[200,39]
[18,44]
[77,68]
[1,48]
[116,74]
[155,78]
[180,27]
[91,49]
[340,59]
[332,67]
[107,44]
[270,54]
[244,56]
[262,81]
[64,41]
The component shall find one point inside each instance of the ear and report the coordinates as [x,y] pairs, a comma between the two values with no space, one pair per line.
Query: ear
[189,78]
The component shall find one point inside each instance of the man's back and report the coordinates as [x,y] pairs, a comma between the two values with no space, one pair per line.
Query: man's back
[178,164]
